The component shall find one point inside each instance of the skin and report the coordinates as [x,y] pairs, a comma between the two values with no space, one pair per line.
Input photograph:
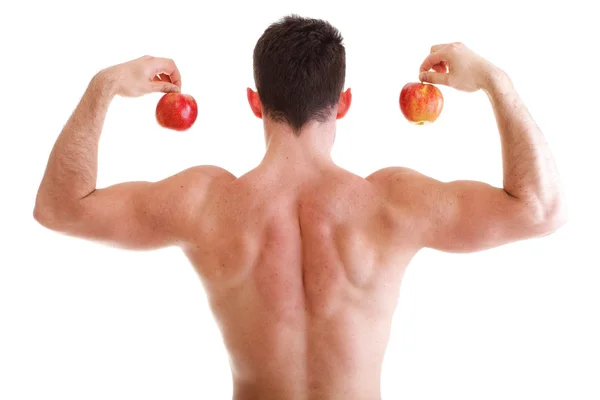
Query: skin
[301,260]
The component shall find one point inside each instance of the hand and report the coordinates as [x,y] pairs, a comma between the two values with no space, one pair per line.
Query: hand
[143,75]
[457,66]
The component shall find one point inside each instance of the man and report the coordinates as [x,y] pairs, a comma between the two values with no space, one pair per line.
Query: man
[302,260]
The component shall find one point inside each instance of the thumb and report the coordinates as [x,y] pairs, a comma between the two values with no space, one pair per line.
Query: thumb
[434,77]
[165,87]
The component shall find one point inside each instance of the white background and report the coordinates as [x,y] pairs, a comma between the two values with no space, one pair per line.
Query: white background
[83,321]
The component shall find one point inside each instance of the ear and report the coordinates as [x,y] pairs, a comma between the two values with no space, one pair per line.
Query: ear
[344,103]
[254,102]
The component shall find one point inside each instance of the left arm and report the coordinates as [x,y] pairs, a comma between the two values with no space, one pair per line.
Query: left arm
[134,214]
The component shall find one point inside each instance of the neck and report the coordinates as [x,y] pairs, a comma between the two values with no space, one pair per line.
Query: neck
[309,148]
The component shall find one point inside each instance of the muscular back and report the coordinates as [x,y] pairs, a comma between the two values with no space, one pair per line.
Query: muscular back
[302,274]
[302,266]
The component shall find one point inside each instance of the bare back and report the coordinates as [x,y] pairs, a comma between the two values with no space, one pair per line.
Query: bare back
[302,276]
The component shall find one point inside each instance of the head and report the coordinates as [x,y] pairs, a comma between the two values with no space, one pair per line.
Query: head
[299,71]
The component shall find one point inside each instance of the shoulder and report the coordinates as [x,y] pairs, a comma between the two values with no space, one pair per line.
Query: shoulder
[199,178]
[405,186]
[190,187]
[207,172]
[403,193]
[391,175]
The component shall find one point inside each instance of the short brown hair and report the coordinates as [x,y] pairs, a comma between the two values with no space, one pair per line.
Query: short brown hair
[299,70]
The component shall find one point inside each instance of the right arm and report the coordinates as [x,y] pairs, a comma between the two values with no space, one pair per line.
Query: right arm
[465,216]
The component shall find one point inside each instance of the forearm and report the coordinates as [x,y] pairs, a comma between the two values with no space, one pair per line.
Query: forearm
[530,173]
[72,167]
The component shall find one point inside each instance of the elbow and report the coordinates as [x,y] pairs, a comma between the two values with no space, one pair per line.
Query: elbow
[546,219]
[553,222]
[45,216]
[43,211]
[52,218]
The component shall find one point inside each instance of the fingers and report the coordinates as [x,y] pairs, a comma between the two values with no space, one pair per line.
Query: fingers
[164,87]
[441,67]
[438,47]
[162,78]
[433,59]
[434,77]
[438,62]
[166,66]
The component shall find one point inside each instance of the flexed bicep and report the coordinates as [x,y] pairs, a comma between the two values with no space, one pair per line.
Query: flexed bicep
[134,215]
[142,215]
[468,216]
[459,216]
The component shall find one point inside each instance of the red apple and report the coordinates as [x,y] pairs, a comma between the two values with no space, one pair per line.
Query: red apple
[176,111]
[420,102]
